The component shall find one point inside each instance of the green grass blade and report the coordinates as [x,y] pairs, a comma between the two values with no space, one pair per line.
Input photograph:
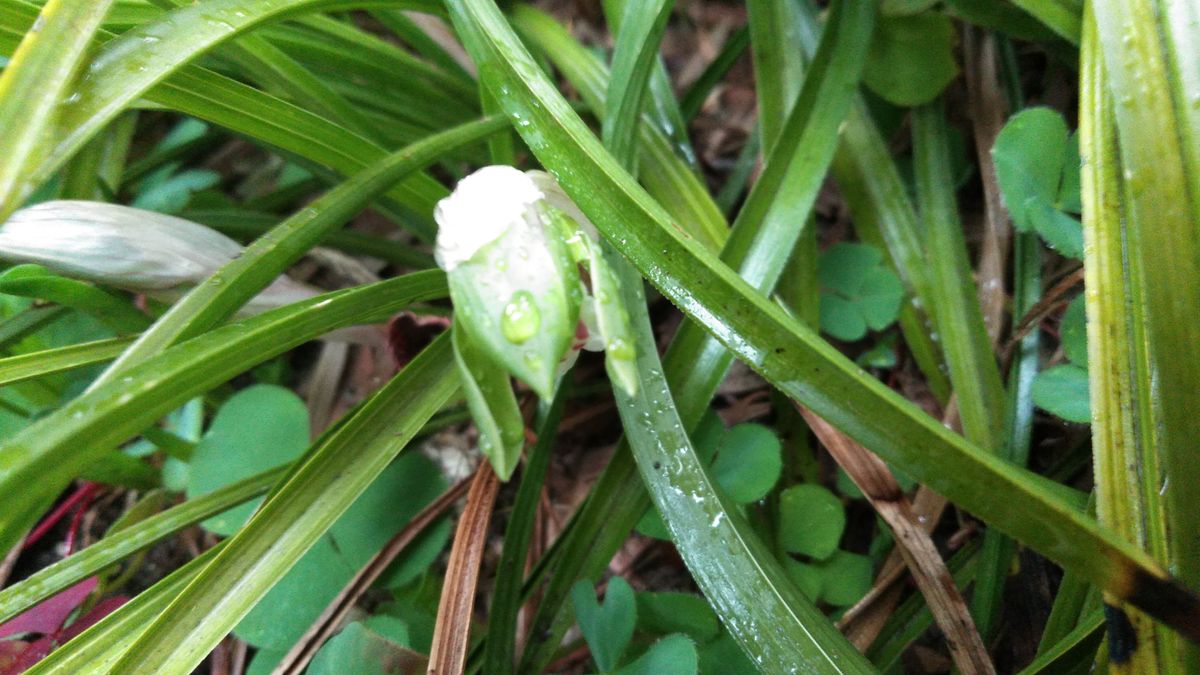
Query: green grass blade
[272,68]
[731,51]
[797,360]
[243,224]
[407,30]
[34,82]
[695,363]
[230,287]
[664,174]
[453,87]
[97,649]
[1133,209]
[245,110]
[642,28]
[510,571]
[738,574]
[768,226]
[661,105]
[38,461]
[1075,652]
[998,550]
[778,65]
[1152,175]
[775,30]
[126,67]
[113,548]
[34,365]
[973,370]
[113,309]
[28,322]
[295,516]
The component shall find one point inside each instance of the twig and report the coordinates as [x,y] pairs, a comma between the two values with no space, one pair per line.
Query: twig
[987,105]
[863,621]
[450,634]
[299,656]
[1050,301]
[933,579]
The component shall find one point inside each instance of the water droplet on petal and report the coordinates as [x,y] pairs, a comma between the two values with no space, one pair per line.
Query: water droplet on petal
[521,318]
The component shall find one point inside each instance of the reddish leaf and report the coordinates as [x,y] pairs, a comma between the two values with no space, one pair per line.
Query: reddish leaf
[10,654]
[102,609]
[48,616]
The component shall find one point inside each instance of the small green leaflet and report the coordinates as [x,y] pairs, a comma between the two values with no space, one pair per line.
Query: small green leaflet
[857,291]
[911,59]
[1037,167]
[1063,389]
[608,627]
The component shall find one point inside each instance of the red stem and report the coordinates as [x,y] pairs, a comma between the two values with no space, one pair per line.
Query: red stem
[48,523]
[73,528]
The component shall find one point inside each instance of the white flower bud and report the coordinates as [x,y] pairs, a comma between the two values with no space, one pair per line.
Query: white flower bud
[128,248]
[512,244]
[491,202]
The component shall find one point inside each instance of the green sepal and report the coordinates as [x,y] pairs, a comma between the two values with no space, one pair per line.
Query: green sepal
[492,403]
[613,321]
[612,318]
[518,297]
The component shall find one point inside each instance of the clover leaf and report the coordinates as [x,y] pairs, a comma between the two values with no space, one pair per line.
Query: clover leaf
[607,627]
[857,291]
[1037,167]
[811,520]
[1063,389]
[911,59]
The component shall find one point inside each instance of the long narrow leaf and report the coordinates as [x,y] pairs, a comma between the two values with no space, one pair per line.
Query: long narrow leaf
[33,365]
[42,458]
[795,359]
[33,85]
[973,370]
[295,516]
[738,574]
[113,548]
[219,296]
[695,363]
[131,64]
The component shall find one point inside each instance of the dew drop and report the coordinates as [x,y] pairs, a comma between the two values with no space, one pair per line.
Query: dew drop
[521,319]
[620,349]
